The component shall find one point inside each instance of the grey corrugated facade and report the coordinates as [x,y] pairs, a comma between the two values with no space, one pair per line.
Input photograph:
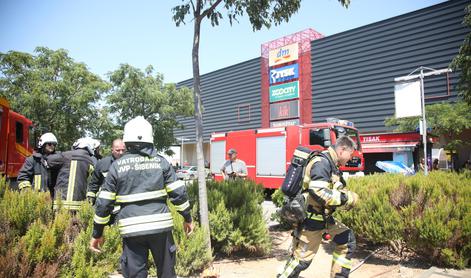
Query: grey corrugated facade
[231,100]
[352,72]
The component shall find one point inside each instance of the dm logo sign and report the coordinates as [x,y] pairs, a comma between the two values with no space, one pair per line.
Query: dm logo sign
[283,74]
[284,91]
[283,54]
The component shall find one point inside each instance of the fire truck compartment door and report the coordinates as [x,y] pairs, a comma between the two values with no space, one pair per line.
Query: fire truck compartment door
[271,156]
[218,156]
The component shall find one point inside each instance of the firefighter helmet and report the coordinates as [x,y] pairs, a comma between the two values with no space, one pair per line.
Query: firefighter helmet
[138,130]
[47,138]
[87,143]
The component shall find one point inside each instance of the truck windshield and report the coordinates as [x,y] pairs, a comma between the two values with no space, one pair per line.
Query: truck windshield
[352,133]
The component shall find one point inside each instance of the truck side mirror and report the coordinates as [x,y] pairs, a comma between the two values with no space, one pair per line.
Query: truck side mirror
[327,143]
[326,134]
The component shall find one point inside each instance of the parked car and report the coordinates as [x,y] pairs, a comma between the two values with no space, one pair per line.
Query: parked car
[190,173]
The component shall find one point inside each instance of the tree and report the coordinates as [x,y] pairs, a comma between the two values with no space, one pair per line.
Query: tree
[137,93]
[260,14]
[55,92]
[462,61]
[105,129]
[445,119]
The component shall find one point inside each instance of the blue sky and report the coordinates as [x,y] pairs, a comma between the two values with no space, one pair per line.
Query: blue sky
[106,33]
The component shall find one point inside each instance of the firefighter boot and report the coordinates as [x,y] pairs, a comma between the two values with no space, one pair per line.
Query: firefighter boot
[341,258]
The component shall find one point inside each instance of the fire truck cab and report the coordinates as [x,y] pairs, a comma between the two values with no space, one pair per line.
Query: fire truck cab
[267,152]
[16,144]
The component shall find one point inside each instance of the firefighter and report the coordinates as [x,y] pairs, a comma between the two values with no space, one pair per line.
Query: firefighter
[325,192]
[102,167]
[141,181]
[74,168]
[33,174]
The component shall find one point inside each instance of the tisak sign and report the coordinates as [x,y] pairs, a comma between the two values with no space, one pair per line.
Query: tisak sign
[284,74]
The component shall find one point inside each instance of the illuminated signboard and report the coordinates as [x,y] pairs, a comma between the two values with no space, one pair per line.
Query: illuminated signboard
[284,91]
[283,55]
[283,74]
[284,123]
[284,110]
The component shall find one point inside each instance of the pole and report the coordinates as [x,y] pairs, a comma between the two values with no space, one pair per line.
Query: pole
[424,127]
[181,152]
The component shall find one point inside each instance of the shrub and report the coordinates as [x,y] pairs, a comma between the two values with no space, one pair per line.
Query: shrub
[236,217]
[18,210]
[3,186]
[192,253]
[430,214]
[36,242]
[278,198]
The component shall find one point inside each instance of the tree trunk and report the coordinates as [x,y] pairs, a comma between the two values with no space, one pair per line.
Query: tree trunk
[203,198]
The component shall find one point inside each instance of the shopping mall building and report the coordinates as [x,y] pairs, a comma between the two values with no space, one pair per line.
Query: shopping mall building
[307,78]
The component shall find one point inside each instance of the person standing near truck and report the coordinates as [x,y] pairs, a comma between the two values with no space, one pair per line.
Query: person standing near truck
[233,168]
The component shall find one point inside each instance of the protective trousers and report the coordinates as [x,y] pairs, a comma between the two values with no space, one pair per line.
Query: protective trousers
[306,244]
[136,253]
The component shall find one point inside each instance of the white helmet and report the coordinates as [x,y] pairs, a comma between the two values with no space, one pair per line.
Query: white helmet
[47,138]
[138,130]
[87,143]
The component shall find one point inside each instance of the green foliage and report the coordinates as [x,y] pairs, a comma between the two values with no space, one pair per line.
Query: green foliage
[445,119]
[54,91]
[430,214]
[236,217]
[192,254]
[278,198]
[18,210]
[374,218]
[136,93]
[106,129]
[35,242]
[260,13]
[462,61]
[3,185]
[62,96]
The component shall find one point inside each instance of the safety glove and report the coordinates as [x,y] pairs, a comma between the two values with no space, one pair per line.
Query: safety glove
[352,199]
[91,200]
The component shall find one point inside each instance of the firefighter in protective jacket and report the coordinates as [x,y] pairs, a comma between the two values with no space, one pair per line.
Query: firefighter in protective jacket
[325,192]
[75,167]
[102,167]
[33,173]
[141,181]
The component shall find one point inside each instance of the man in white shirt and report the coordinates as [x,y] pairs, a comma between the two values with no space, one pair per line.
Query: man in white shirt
[233,168]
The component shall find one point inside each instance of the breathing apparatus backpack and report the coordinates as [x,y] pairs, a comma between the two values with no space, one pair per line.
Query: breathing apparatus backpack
[293,210]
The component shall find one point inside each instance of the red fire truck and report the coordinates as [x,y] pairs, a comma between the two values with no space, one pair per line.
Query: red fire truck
[15,143]
[267,152]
